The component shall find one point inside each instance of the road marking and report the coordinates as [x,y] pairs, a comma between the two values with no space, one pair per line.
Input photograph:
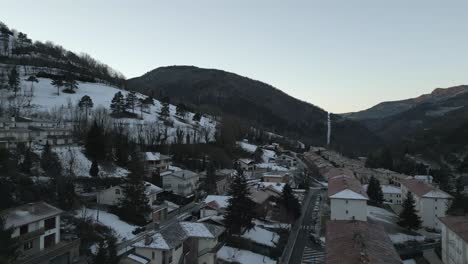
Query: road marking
[313,256]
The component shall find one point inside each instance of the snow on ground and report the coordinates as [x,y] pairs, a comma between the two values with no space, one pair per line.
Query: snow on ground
[231,254]
[401,238]
[271,166]
[382,215]
[262,236]
[73,156]
[268,155]
[45,99]
[247,146]
[277,186]
[121,228]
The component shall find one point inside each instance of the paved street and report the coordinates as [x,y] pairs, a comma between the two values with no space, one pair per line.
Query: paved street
[305,250]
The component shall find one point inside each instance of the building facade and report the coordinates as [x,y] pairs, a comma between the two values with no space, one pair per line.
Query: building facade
[348,201]
[454,239]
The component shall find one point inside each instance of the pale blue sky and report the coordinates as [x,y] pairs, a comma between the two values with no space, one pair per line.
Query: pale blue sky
[340,55]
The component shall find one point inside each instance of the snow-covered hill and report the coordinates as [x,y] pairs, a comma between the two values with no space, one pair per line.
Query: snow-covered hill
[45,103]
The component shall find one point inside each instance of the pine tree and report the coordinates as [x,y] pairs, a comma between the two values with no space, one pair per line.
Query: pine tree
[8,246]
[134,206]
[86,103]
[107,252]
[95,143]
[408,217]
[14,80]
[290,202]
[197,117]
[70,84]
[164,111]
[374,190]
[58,83]
[26,165]
[210,184]
[118,104]
[240,210]
[94,170]
[50,162]
[258,155]
[181,111]
[131,101]
[3,80]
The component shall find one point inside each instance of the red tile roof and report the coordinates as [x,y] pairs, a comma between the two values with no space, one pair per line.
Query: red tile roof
[342,182]
[417,187]
[358,242]
[458,225]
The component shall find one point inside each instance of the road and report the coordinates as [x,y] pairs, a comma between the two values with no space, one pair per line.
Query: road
[305,250]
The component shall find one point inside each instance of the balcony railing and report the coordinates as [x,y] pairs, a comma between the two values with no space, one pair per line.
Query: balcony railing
[54,251]
[32,234]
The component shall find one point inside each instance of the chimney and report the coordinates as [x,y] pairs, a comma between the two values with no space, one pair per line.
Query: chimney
[148,240]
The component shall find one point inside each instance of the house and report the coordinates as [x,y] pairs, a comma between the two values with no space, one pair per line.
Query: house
[350,242]
[181,242]
[276,176]
[214,205]
[112,196]
[348,201]
[37,228]
[246,164]
[286,160]
[265,195]
[155,162]
[182,182]
[391,193]
[454,239]
[431,203]
[222,178]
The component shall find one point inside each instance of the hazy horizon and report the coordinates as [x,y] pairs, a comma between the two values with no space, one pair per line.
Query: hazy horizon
[338,55]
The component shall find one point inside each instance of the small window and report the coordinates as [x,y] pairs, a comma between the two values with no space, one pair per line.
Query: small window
[49,223]
[24,229]
[28,245]
[153,256]
[436,199]
[346,201]
[117,191]
[436,207]
[346,211]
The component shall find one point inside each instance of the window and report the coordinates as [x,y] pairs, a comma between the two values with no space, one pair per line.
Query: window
[346,201]
[23,229]
[117,191]
[153,255]
[28,245]
[49,223]
[49,241]
[346,211]
[436,207]
[436,199]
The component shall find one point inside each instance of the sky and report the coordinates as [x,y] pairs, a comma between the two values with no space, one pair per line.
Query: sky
[343,55]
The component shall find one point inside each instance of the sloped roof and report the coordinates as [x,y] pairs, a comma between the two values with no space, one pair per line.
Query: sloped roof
[155,156]
[423,189]
[183,174]
[221,200]
[345,187]
[29,213]
[457,224]
[350,242]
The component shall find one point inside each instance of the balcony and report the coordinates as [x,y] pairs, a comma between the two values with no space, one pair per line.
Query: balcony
[58,249]
[31,235]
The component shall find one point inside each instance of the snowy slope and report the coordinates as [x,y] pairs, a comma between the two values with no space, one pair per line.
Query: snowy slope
[46,100]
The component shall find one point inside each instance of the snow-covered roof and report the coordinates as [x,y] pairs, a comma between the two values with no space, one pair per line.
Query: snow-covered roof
[155,156]
[201,230]
[29,213]
[246,161]
[423,189]
[348,194]
[183,174]
[437,194]
[277,186]
[138,258]
[221,200]
[151,188]
[236,255]
[345,187]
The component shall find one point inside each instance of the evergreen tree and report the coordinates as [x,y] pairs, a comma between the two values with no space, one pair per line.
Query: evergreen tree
[134,206]
[197,117]
[95,143]
[58,83]
[181,111]
[118,104]
[32,79]
[374,190]
[94,170]
[6,193]
[70,84]
[107,252]
[86,103]
[164,111]
[14,80]
[210,184]
[50,162]
[3,80]
[290,202]
[131,101]
[26,165]
[258,155]
[408,217]
[8,246]
[240,210]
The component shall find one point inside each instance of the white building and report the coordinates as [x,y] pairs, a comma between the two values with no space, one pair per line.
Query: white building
[391,193]
[348,201]
[246,164]
[454,239]
[183,182]
[36,226]
[214,205]
[156,162]
[286,160]
[183,242]
[431,203]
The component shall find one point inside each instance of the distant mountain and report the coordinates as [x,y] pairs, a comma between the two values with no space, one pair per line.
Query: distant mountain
[386,109]
[433,125]
[255,102]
